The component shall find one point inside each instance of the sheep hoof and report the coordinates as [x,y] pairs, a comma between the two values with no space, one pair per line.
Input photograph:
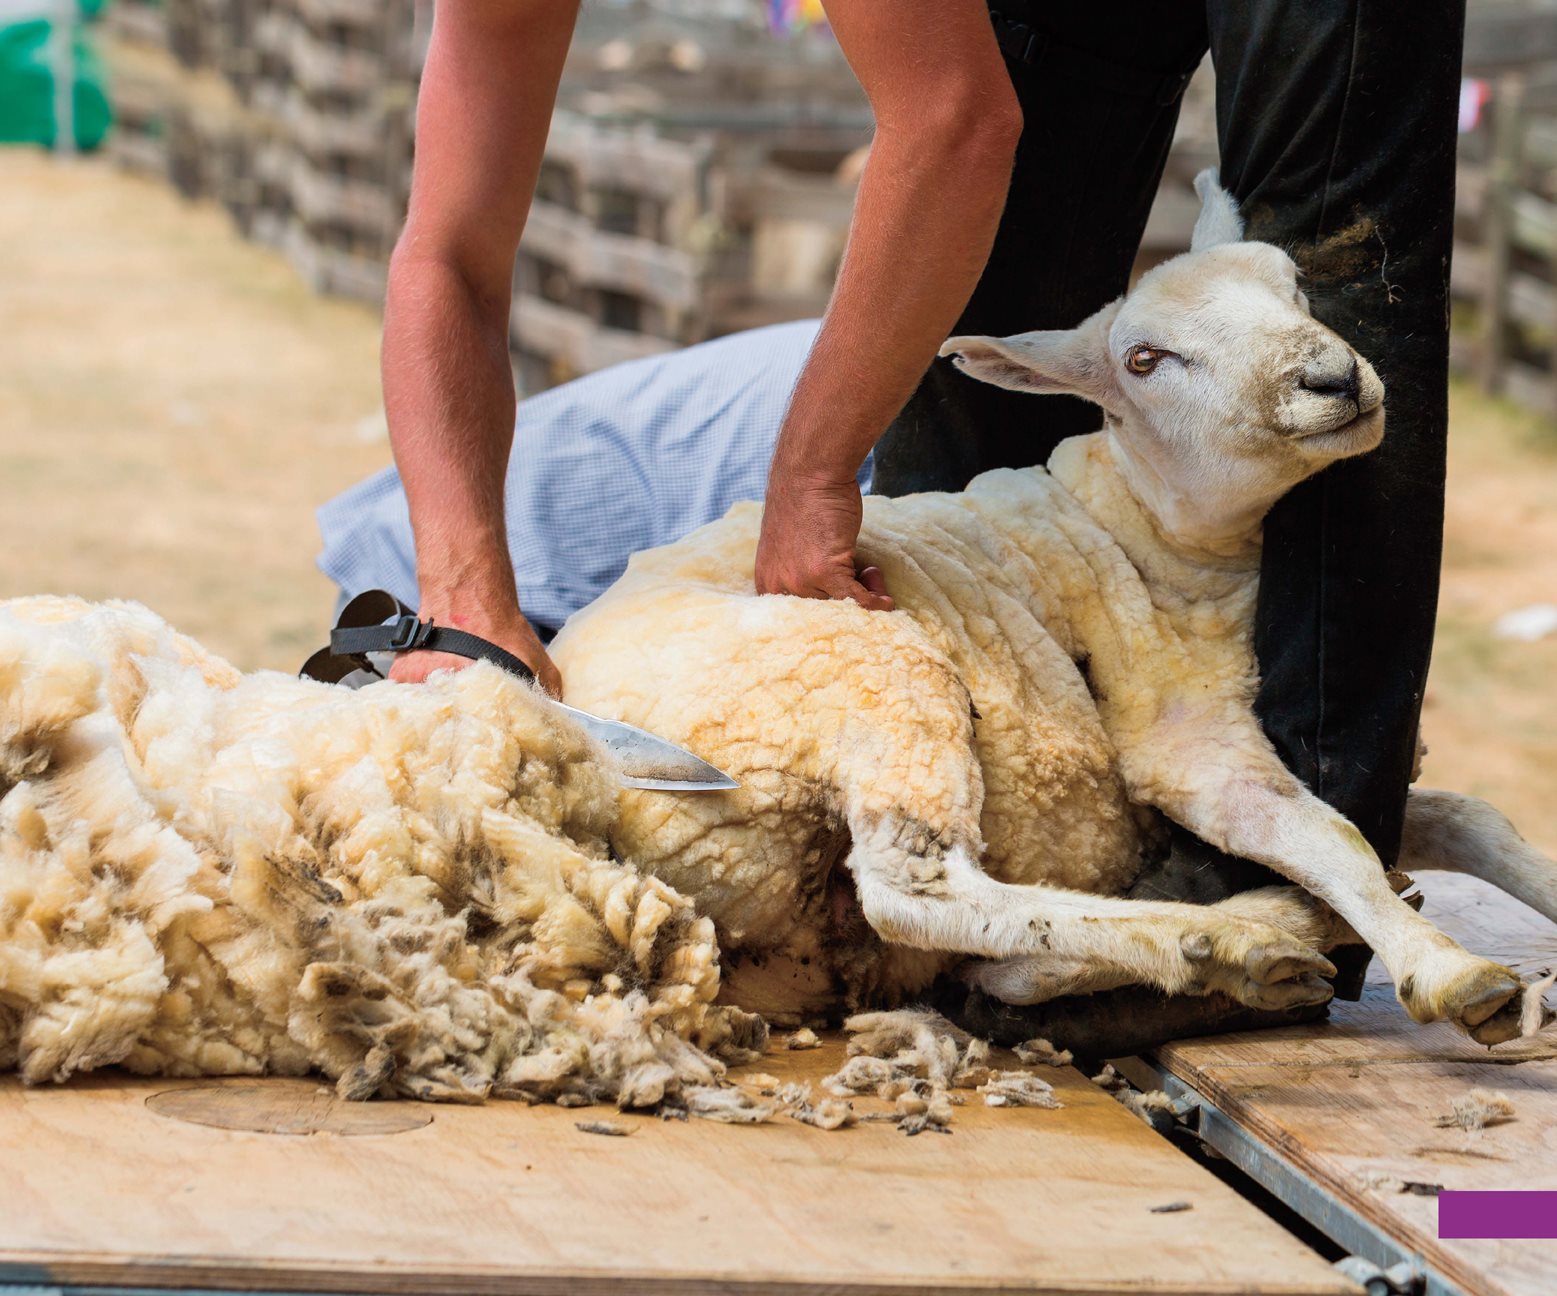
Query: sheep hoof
[1492,990]
[1482,999]
[1263,967]
[1271,965]
[1504,1025]
[1298,992]
[1486,1003]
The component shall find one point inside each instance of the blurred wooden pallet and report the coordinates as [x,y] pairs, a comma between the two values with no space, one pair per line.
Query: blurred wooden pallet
[295,114]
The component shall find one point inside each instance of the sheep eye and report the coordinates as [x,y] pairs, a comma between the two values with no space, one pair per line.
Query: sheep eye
[1143,359]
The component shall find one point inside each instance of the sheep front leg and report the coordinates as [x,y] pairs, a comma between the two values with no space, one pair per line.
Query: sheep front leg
[918,890]
[1245,802]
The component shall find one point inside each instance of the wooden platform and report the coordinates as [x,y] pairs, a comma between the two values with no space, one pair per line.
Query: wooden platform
[274,1185]
[113,1181]
[1357,1100]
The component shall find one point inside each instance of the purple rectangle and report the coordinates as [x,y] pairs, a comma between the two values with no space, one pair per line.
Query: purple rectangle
[1497,1215]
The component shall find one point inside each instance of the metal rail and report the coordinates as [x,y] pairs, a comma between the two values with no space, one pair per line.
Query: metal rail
[1375,1260]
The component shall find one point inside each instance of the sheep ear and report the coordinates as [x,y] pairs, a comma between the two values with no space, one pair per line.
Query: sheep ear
[1052,361]
[1220,220]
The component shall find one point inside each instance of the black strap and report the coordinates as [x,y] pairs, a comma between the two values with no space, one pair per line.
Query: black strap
[365,626]
[1022,43]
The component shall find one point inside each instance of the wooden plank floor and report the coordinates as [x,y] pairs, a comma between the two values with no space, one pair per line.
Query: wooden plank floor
[113,1181]
[1356,1100]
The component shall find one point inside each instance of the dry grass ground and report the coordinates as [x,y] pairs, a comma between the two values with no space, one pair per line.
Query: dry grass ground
[174,404]
[1490,719]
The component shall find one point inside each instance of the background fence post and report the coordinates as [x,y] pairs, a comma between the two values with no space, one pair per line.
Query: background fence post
[1502,184]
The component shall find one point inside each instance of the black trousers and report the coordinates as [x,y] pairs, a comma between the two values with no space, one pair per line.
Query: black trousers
[1336,121]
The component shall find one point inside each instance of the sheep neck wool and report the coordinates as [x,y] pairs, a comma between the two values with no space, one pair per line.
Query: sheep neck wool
[408,889]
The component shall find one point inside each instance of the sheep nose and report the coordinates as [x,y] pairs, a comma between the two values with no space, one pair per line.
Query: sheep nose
[1327,378]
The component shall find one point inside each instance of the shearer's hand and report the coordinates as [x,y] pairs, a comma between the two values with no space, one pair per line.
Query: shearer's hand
[506,628]
[807,547]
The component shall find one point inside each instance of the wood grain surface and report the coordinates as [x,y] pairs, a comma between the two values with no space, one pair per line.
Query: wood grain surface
[108,1182]
[1356,1101]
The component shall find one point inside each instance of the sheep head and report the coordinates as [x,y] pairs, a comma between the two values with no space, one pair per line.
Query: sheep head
[1221,391]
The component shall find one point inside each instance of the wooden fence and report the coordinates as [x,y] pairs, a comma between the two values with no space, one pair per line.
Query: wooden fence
[296,115]
[1504,276]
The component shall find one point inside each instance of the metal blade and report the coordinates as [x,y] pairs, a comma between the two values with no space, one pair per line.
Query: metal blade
[650,762]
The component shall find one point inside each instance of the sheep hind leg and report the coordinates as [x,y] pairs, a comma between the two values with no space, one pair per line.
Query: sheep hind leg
[1045,942]
[1463,834]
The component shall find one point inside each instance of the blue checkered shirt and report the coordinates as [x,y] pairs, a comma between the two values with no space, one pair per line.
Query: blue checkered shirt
[625,459]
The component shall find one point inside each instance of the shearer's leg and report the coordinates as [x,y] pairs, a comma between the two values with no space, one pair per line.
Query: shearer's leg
[1099,87]
[1338,139]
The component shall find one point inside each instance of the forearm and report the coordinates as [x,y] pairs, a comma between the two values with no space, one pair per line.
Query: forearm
[449,398]
[482,114]
[947,125]
[924,222]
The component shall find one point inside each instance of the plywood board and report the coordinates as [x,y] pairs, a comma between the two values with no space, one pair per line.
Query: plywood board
[1356,1100]
[116,1180]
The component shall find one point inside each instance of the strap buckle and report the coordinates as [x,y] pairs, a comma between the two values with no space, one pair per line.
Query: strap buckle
[365,626]
[410,632]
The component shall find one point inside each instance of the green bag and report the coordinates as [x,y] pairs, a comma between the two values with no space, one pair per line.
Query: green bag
[27,59]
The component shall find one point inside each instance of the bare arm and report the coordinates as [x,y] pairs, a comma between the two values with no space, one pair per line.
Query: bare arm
[947,122]
[482,117]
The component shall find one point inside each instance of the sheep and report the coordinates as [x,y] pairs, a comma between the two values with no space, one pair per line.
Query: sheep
[440,891]
[982,772]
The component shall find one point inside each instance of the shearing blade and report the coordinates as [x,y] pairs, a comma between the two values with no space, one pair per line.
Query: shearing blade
[650,762]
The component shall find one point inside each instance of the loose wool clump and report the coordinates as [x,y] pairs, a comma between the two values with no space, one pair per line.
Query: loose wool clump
[1478,1109]
[915,1058]
[408,889]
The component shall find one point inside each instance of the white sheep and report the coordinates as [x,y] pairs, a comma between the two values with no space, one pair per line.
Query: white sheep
[974,773]
[437,891]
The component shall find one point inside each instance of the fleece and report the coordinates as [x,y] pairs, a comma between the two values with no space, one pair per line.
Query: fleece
[407,889]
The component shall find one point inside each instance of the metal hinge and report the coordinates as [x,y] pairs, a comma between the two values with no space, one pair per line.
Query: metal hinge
[1404,1279]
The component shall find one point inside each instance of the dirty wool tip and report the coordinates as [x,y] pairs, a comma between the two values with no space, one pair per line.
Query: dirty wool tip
[729,1106]
[1533,1013]
[1040,1052]
[1017,1089]
[1477,1110]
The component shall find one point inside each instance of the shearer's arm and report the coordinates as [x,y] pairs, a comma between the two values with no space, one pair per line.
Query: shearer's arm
[482,116]
[947,124]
